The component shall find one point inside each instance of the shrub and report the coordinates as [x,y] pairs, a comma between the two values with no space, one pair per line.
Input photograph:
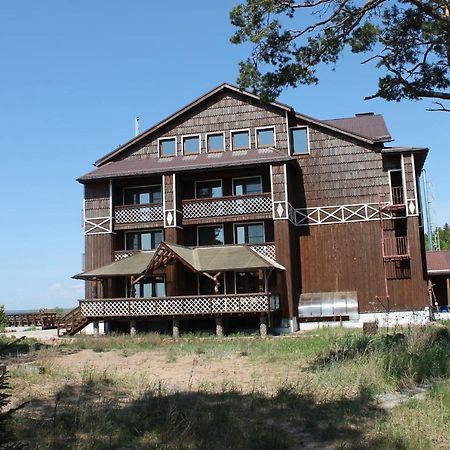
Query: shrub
[3,318]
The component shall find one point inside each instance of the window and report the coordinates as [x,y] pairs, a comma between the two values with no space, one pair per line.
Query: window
[247,282]
[208,189]
[142,195]
[249,233]
[215,142]
[167,147]
[240,139]
[143,240]
[245,186]
[150,287]
[265,137]
[299,140]
[206,285]
[191,145]
[210,235]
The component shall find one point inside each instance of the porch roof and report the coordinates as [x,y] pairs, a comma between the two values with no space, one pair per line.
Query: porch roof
[198,259]
[215,258]
[132,265]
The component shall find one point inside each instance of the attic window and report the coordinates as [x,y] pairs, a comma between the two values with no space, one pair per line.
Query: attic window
[265,137]
[191,144]
[299,141]
[240,139]
[215,142]
[167,146]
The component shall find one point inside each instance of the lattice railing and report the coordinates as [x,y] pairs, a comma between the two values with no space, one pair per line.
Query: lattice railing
[122,254]
[139,213]
[227,206]
[180,306]
[267,250]
[338,214]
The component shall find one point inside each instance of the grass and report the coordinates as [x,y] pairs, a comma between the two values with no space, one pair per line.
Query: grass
[324,393]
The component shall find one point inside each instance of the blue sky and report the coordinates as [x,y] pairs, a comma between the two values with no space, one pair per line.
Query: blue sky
[74,75]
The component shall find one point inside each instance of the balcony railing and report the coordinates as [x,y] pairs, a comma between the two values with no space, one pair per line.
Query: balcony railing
[151,212]
[267,249]
[396,248]
[180,306]
[397,196]
[122,254]
[227,206]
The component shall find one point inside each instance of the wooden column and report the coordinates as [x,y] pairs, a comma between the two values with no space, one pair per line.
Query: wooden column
[219,327]
[132,327]
[448,289]
[176,328]
[96,327]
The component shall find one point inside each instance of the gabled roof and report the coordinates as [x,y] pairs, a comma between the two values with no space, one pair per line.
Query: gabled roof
[219,258]
[438,262]
[201,161]
[359,132]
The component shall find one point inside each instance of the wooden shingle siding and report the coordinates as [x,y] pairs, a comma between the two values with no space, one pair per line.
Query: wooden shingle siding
[340,171]
[97,200]
[228,112]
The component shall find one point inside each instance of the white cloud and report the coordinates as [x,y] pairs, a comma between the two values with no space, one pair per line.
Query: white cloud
[55,287]
[78,286]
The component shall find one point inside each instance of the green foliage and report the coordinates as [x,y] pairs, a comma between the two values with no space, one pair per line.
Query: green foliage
[3,318]
[408,39]
[444,237]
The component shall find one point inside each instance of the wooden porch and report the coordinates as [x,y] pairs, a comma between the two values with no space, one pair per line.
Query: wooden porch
[180,306]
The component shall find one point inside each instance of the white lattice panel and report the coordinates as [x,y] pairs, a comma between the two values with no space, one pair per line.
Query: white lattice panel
[139,214]
[227,207]
[176,306]
[122,254]
[267,250]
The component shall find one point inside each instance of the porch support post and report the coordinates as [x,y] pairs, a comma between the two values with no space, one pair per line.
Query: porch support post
[132,327]
[219,327]
[96,327]
[176,327]
[263,325]
[448,289]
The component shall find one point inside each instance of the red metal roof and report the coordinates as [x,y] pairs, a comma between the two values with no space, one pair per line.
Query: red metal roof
[202,161]
[438,262]
[370,125]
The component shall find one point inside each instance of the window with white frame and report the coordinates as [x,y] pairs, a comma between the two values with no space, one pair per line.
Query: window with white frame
[215,142]
[265,137]
[240,139]
[142,195]
[247,186]
[249,233]
[210,235]
[167,146]
[191,145]
[299,140]
[208,189]
[143,240]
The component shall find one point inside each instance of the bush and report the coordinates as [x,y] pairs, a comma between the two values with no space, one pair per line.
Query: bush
[3,318]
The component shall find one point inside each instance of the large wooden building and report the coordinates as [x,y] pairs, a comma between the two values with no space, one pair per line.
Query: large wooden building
[239,211]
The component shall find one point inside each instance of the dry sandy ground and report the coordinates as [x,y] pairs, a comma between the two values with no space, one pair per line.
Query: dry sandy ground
[42,335]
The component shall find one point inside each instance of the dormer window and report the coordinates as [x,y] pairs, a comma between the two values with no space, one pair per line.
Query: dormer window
[191,144]
[240,139]
[265,137]
[299,141]
[167,146]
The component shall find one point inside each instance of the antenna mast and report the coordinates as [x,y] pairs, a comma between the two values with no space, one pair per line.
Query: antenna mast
[137,126]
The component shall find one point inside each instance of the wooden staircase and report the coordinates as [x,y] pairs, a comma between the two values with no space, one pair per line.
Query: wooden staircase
[72,322]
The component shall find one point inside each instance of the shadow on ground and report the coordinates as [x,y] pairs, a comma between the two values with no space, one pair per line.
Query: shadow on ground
[98,415]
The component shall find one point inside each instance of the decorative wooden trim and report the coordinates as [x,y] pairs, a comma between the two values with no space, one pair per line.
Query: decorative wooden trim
[151,212]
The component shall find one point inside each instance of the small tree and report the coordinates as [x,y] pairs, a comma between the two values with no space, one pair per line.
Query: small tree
[3,318]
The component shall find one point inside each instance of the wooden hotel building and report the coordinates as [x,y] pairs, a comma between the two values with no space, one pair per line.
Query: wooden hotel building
[241,214]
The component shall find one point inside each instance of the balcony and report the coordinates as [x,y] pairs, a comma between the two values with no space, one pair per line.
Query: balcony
[180,306]
[395,201]
[396,248]
[206,209]
[127,215]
